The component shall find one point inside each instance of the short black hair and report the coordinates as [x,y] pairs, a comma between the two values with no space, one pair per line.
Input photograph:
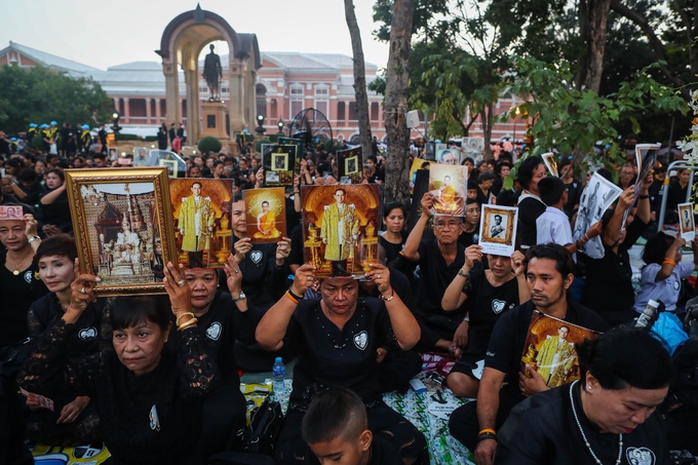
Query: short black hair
[550,190]
[28,175]
[390,206]
[129,311]
[472,184]
[470,201]
[335,413]
[486,176]
[526,169]
[60,245]
[626,357]
[656,248]
[216,163]
[564,263]
[57,172]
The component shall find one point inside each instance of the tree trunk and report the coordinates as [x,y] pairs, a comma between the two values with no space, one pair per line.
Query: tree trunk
[598,19]
[396,90]
[487,119]
[359,79]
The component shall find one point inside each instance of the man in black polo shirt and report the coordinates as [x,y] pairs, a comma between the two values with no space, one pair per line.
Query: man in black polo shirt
[439,260]
[549,274]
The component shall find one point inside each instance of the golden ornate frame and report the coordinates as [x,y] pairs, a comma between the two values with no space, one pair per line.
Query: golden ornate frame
[91,209]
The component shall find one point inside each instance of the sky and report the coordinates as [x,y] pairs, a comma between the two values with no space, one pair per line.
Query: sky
[101,34]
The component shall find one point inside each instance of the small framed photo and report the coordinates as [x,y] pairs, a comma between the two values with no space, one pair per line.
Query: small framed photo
[123,221]
[448,184]
[498,229]
[280,161]
[141,157]
[266,214]
[171,166]
[686,226]
[550,163]
[351,165]
[113,153]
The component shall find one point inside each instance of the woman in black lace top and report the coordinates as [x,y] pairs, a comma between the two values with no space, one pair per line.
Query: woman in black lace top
[148,397]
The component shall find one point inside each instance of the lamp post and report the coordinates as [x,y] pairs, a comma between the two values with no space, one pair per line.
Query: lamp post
[260,125]
[115,117]
[517,112]
[280,124]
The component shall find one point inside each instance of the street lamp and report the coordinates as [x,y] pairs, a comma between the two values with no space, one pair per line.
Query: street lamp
[280,124]
[260,125]
[115,121]
[517,112]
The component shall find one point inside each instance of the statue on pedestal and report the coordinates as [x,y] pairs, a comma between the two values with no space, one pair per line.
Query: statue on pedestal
[213,72]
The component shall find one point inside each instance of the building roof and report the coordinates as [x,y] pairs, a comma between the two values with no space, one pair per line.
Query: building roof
[54,62]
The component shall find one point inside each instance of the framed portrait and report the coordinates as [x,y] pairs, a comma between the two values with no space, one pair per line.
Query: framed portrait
[550,161]
[645,156]
[276,159]
[448,184]
[340,228]
[265,210]
[597,196]
[350,165]
[550,348]
[141,156]
[299,151]
[201,211]
[280,162]
[498,229]
[686,223]
[113,153]
[171,166]
[123,221]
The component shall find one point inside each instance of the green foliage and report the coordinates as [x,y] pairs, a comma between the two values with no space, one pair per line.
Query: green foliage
[258,144]
[209,144]
[571,121]
[39,95]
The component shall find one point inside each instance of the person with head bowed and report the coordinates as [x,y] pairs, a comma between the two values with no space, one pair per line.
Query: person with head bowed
[606,417]
[338,337]
[148,395]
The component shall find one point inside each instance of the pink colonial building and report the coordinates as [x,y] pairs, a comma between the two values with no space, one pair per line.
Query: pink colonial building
[287,83]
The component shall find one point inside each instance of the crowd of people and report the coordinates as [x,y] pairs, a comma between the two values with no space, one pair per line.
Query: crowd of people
[156,378]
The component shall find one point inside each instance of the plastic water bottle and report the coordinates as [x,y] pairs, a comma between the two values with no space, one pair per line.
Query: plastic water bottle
[279,375]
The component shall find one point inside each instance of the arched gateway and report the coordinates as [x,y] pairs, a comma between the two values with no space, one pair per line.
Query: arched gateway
[181,44]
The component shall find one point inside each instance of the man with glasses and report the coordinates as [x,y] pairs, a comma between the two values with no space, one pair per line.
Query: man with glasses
[440,258]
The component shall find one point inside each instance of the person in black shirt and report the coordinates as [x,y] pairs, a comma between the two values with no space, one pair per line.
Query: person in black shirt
[609,415]
[439,261]
[573,186]
[530,205]
[162,137]
[337,338]
[609,288]
[336,429]
[488,294]
[549,274]
[485,181]
[471,224]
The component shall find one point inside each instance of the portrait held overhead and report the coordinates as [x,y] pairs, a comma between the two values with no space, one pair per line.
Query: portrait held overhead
[436,232]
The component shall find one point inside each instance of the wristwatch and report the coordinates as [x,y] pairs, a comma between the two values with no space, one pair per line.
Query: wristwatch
[241,297]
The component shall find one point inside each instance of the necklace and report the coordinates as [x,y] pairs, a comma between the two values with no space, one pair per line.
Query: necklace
[18,267]
[586,442]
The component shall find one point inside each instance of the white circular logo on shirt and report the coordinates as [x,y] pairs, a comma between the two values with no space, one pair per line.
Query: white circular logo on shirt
[214,331]
[640,456]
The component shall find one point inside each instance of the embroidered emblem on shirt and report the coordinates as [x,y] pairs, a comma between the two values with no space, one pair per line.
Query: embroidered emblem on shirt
[28,276]
[256,256]
[476,238]
[677,285]
[498,305]
[87,333]
[214,331]
[640,456]
[361,340]
[154,420]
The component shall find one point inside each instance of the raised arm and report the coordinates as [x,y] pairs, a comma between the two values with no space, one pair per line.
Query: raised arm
[644,209]
[51,197]
[517,265]
[405,326]
[611,232]
[272,328]
[454,296]
[411,249]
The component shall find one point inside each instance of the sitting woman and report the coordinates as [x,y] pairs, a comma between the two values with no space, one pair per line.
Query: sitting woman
[664,270]
[337,339]
[488,293]
[70,423]
[54,205]
[606,417]
[148,397]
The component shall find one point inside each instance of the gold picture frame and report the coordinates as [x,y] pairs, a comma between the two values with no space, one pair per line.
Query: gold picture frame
[122,219]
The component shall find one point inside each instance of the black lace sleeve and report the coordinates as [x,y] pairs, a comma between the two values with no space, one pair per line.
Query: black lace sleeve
[197,367]
[47,369]
[105,341]
[35,326]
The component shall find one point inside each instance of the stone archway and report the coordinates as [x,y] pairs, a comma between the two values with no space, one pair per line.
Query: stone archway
[182,41]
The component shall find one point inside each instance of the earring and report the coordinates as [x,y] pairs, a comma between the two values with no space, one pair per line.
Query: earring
[589,388]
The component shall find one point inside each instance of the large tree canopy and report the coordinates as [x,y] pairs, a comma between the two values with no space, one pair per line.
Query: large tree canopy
[39,95]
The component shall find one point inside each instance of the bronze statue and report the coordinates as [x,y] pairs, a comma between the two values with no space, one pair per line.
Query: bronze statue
[213,72]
